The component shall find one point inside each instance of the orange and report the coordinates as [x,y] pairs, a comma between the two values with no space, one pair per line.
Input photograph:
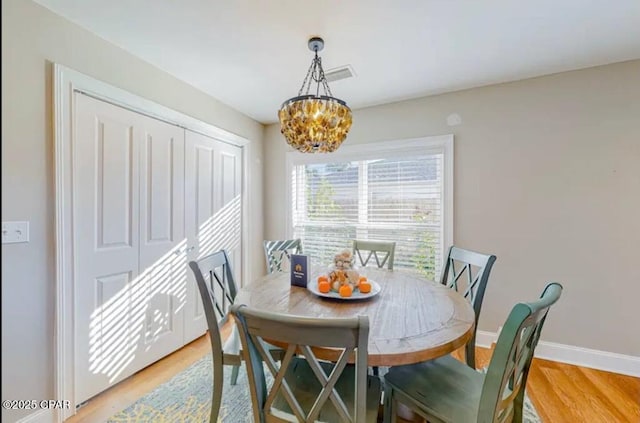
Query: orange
[365,287]
[345,291]
[322,278]
[324,286]
[362,279]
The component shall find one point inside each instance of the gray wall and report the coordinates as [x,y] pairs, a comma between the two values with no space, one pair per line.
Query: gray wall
[547,177]
[32,38]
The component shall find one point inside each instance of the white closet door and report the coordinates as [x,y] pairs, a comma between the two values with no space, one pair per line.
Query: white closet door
[213,209]
[128,221]
[108,316]
[163,259]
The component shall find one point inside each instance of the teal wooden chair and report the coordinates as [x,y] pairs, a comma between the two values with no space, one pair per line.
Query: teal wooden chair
[446,390]
[305,389]
[218,290]
[476,267]
[382,251]
[276,252]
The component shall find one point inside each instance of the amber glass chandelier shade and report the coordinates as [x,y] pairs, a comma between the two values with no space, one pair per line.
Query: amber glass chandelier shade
[315,123]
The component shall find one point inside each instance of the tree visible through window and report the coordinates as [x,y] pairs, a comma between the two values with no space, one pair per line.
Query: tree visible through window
[396,199]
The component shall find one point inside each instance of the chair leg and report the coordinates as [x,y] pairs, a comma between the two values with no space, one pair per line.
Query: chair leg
[215,407]
[518,405]
[390,411]
[234,374]
[216,396]
[470,352]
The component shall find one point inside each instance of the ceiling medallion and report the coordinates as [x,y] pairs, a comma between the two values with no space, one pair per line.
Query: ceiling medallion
[315,123]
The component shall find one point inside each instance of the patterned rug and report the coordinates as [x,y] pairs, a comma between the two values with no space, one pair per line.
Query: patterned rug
[186,398]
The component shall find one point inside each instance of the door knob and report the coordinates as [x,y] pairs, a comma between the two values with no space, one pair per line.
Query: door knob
[184,251]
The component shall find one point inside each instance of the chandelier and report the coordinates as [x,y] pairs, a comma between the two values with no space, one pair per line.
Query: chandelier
[315,123]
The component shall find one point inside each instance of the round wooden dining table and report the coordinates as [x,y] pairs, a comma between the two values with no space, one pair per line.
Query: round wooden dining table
[411,320]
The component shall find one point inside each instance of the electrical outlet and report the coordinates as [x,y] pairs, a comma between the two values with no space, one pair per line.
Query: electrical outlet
[15,232]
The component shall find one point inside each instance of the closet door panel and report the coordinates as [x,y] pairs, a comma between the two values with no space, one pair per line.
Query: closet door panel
[213,212]
[163,258]
[107,312]
[231,199]
[205,186]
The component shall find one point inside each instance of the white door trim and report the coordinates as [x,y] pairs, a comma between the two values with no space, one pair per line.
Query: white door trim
[66,82]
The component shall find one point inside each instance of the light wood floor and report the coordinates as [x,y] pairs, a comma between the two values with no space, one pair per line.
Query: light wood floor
[560,392]
[565,393]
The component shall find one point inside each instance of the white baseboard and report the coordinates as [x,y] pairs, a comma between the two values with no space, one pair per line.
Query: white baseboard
[585,357]
[485,339]
[41,416]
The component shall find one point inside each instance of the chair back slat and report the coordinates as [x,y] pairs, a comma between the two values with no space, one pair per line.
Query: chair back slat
[470,281]
[216,283]
[280,384]
[277,253]
[382,251]
[503,390]
[328,391]
[349,336]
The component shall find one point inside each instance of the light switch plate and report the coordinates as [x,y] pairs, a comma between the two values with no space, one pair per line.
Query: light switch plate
[14,232]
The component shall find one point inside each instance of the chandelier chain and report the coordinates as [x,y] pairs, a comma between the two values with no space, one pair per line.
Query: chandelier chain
[306,78]
[323,79]
[315,73]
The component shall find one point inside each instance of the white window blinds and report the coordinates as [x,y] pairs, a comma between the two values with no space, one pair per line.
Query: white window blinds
[397,198]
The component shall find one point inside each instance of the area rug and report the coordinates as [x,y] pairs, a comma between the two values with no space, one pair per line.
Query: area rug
[186,398]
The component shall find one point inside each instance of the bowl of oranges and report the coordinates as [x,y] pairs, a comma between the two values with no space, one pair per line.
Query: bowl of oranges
[343,281]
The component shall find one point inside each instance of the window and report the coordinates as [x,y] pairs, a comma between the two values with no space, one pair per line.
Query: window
[392,191]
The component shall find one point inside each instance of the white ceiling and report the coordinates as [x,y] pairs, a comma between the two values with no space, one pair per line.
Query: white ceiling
[252,54]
